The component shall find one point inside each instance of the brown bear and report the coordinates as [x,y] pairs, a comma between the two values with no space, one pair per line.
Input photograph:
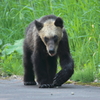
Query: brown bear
[45,41]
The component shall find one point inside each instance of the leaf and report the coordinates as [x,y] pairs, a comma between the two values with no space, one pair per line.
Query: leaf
[8,51]
[0,42]
[12,48]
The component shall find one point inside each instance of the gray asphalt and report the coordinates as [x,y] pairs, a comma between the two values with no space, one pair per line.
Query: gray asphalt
[15,90]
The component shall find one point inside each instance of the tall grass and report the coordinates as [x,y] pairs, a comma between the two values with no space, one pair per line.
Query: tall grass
[81,20]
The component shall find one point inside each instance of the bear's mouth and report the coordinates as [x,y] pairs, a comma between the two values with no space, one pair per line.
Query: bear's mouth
[52,54]
[51,51]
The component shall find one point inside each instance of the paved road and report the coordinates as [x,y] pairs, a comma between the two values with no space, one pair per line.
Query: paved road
[15,90]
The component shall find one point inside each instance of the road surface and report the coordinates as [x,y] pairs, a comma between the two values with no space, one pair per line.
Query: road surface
[13,89]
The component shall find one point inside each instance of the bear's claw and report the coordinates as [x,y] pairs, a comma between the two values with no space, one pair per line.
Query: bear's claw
[46,86]
[30,83]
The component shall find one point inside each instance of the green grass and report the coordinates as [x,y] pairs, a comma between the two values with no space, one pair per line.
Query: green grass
[12,65]
[81,20]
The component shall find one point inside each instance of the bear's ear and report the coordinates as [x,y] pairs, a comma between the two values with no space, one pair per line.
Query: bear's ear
[59,22]
[39,25]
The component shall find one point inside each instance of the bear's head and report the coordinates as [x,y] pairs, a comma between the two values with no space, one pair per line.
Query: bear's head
[50,32]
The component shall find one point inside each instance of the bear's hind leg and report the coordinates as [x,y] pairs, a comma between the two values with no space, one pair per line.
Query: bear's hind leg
[28,68]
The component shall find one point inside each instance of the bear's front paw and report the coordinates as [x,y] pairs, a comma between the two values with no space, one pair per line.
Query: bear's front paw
[46,86]
[30,83]
[55,83]
[60,78]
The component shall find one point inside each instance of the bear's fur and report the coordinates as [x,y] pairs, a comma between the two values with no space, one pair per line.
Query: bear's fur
[46,39]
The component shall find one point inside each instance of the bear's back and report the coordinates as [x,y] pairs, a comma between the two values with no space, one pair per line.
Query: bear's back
[46,18]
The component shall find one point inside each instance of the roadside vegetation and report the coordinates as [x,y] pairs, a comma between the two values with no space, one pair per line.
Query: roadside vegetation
[81,20]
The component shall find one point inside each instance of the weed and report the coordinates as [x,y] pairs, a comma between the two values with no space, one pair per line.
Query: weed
[11,65]
[81,20]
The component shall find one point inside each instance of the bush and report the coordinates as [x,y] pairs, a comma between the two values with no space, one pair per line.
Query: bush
[11,58]
[86,74]
[11,65]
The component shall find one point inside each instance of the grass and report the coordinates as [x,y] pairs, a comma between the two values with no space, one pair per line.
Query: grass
[88,84]
[97,84]
[12,65]
[81,20]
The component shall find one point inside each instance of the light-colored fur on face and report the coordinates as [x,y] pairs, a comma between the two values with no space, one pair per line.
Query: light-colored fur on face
[49,30]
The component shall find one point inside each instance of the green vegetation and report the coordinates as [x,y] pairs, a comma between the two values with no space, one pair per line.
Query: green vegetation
[88,84]
[97,84]
[82,22]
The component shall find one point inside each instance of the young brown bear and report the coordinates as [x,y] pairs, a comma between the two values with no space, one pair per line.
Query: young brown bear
[46,39]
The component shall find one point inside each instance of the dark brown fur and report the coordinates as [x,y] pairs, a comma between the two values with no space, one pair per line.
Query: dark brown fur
[38,62]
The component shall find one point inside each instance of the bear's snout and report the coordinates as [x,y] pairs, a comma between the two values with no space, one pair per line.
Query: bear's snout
[51,51]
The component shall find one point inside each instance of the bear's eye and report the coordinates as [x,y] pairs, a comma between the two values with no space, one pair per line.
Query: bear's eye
[55,38]
[46,39]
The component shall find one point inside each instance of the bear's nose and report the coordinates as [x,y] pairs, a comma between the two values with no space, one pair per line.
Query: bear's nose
[51,51]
